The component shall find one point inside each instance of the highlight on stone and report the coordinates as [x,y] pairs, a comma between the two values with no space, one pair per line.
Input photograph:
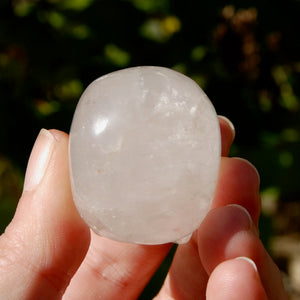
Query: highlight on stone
[144,155]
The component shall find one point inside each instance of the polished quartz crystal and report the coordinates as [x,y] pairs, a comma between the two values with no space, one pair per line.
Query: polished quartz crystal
[144,155]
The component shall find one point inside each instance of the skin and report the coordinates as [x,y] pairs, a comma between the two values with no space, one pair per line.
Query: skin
[48,252]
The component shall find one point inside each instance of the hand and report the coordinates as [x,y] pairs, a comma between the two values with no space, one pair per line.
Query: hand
[48,252]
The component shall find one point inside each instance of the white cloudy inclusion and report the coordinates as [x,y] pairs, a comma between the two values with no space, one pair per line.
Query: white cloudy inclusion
[144,155]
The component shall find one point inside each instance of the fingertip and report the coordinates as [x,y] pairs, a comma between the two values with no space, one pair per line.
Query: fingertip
[46,232]
[228,233]
[40,156]
[238,183]
[251,169]
[58,134]
[235,279]
[224,120]
[222,228]
[39,160]
[250,261]
[227,134]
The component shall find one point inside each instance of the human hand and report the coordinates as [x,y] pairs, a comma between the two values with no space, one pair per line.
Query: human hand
[48,252]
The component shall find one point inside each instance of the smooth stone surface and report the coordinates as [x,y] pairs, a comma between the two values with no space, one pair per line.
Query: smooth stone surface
[144,155]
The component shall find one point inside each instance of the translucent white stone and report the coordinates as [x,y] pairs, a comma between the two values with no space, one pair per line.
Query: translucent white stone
[144,155]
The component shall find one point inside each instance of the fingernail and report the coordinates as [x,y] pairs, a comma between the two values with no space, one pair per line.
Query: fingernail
[252,225]
[229,123]
[39,159]
[243,209]
[249,260]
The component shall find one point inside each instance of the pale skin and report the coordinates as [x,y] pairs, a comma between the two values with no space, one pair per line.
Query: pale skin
[48,252]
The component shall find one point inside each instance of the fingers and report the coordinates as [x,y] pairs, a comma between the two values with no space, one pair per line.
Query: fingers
[115,265]
[186,278]
[46,240]
[227,134]
[229,232]
[238,183]
[226,233]
[35,250]
[235,279]
[238,179]
[115,270]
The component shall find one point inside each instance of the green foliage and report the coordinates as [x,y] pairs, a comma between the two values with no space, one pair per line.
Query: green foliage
[245,54]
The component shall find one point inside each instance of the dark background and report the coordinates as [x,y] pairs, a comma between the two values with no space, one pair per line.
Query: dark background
[244,54]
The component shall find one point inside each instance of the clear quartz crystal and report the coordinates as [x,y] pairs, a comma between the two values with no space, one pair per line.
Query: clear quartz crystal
[144,155]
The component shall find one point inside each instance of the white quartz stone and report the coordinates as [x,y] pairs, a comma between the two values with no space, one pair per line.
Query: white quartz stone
[144,155]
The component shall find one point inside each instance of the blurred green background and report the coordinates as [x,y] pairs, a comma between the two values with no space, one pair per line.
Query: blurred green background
[244,54]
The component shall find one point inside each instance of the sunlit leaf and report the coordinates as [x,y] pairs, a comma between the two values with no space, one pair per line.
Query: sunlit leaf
[75,4]
[170,25]
[55,19]
[150,6]
[160,29]
[116,55]
[286,159]
[23,7]
[269,200]
[288,98]
[69,90]
[81,31]
[290,135]
[198,53]
[46,108]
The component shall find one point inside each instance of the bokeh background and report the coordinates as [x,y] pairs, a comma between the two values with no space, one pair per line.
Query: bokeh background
[244,54]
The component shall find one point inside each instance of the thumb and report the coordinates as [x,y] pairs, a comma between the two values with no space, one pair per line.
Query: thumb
[46,241]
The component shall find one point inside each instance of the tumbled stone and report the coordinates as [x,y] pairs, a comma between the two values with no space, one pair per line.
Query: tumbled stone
[144,155]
